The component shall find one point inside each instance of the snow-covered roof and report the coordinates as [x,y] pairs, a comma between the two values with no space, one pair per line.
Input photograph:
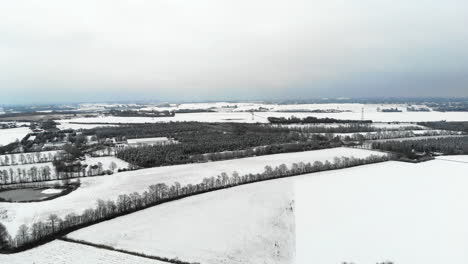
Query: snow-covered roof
[147,140]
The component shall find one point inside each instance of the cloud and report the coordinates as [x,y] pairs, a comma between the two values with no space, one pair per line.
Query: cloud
[212,49]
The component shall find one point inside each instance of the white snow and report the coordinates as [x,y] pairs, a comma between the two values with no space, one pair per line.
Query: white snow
[61,252]
[250,224]
[106,162]
[393,211]
[10,135]
[109,187]
[261,117]
[66,125]
[52,191]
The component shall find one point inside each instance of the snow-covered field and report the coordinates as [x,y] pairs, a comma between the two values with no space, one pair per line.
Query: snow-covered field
[245,106]
[462,159]
[250,224]
[61,252]
[109,187]
[67,125]
[261,117]
[106,162]
[393,211]
[10,135]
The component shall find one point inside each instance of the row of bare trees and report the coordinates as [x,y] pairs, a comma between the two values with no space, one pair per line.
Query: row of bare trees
[27,158]
[61,170]
[53,226]
[22,175]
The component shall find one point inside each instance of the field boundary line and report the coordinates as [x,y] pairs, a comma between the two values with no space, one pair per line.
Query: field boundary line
[459,161]
[142,255]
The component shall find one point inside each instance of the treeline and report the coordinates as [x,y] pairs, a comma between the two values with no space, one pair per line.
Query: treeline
[22,175]
[350,128]
[267,150]
[454,126]
[396,134]
[312,120]
[447,146]
[132,113]
[28,158]
[218,149]
[390,110]
[61,170]
[43,231]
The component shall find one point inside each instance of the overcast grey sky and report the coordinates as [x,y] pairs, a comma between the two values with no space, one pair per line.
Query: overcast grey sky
[95,50]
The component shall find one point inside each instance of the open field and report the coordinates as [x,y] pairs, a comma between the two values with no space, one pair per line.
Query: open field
[365,214]
[261,117]
[272,107]
[10,135]
[66,125]
[106,162]
[400,212]
[61,252]
[109,187]
[249,224]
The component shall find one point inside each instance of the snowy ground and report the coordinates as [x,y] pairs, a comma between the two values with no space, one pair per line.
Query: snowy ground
[66,125]
[109,187]
[462,159]
[61,252]
[106,161]
[244,106]
[393,211]
[250,224]
[261,117]
[10,135]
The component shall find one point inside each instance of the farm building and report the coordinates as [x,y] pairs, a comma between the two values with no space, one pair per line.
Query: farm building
[150,141]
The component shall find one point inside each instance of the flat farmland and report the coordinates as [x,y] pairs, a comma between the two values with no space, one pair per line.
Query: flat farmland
[61,252]
[10,135]
[261,117]
[109,187]
[365,214]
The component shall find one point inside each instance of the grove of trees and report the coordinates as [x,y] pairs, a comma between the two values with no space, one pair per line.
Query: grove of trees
[163,155]
[447,145]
